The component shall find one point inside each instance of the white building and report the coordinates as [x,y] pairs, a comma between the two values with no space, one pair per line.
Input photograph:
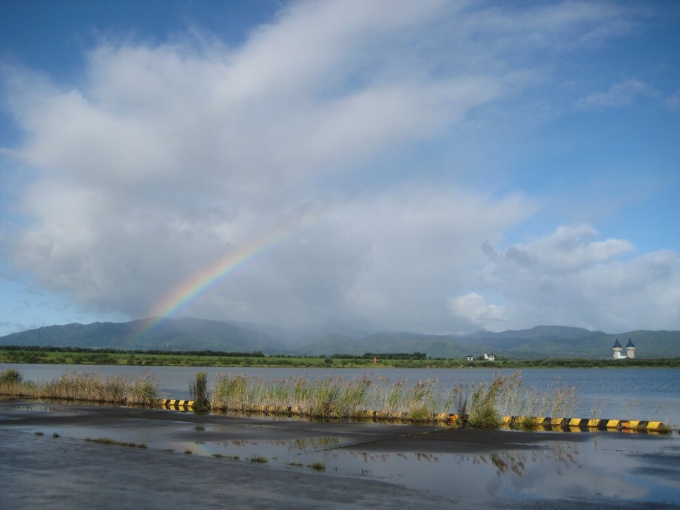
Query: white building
[630,349]
[618,350]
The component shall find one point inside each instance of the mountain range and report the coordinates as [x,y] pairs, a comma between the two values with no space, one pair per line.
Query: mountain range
[188,334]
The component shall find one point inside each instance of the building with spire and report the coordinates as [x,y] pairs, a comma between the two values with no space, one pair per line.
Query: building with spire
[618,350]
[618,354]
[630,349]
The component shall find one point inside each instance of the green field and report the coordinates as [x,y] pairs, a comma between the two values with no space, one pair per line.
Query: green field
[76,356]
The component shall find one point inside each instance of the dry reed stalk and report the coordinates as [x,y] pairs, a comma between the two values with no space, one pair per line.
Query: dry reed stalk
[89,387]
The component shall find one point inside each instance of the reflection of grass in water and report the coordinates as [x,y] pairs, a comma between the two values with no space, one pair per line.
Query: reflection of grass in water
[314,443]
[504,462]
[317,466]
[517,462]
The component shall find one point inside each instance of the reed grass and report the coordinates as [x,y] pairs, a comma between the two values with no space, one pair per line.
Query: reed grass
[88,387]
[480,405]
[514,399]
[327,398]
[199,393]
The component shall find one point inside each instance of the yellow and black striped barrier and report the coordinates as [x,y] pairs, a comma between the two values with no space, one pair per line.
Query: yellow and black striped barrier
[584,424]
[516,422]
[177,405]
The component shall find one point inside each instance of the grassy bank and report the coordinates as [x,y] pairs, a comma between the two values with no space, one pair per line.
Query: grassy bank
[77,356]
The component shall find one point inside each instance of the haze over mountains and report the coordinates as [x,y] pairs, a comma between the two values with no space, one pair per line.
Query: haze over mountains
[183,334]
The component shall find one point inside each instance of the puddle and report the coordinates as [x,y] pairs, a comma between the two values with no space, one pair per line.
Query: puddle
[611,466]
[279,451]
[601,469]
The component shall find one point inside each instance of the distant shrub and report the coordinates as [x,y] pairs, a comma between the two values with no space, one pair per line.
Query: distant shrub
[10,376]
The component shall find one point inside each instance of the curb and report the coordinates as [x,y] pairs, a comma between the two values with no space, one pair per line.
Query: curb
[177,405]
[583,424]
[518,422]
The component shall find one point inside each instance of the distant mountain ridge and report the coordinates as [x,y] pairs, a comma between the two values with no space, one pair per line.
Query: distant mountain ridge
[169,334]
[185,334]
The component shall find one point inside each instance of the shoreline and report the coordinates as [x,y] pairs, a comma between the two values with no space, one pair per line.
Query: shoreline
[112,357]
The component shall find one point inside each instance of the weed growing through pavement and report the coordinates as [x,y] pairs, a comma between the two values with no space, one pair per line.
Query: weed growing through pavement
[106,440]
[317,466]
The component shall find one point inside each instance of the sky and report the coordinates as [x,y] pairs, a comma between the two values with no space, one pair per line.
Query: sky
[433,166]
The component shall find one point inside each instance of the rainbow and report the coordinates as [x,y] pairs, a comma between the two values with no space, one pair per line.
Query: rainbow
[203,281]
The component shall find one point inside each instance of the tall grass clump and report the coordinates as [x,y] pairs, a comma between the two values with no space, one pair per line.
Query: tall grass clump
[483,405]
[417,402]
[557,401]
[10,376]
[12,384]
[88,387]
[199,393]
[328,398]
[331,397]
[480,405]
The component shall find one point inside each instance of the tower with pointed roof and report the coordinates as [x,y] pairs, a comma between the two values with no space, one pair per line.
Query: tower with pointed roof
[630,349]
[617,350]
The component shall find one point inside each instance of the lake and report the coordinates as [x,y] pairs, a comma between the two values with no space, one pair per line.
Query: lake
[621,393]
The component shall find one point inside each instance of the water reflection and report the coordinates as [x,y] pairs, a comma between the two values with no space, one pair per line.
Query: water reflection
[560,457]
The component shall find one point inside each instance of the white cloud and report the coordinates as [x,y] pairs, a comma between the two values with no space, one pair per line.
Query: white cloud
[475,308]
[673,101]
[570,278]
[619,94]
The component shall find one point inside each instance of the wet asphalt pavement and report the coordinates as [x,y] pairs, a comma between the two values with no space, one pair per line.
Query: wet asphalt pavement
[183,460]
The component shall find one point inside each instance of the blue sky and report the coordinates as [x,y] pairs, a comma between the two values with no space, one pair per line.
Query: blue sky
[466,165]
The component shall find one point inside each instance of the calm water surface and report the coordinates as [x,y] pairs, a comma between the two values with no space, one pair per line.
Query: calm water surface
[630,393]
